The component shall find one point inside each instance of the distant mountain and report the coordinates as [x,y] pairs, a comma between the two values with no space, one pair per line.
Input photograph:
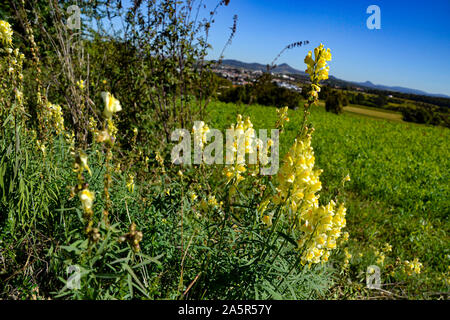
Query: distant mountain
[282,68]
[287,69]
[369,84]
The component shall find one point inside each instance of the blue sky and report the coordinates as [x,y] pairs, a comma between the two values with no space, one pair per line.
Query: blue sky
[412,48]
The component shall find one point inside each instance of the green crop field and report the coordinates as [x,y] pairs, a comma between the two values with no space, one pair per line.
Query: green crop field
[398,193]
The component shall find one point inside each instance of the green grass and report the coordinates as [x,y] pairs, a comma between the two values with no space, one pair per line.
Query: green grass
[398,193]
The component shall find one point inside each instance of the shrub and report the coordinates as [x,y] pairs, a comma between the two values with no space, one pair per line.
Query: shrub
[333,103]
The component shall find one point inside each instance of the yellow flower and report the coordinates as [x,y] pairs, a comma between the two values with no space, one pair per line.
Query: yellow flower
[267,220]
[193,196]
[84,162]
[19,96]
[41,146]
[130,183]
[200,129]
[53,114]
[5,33]
[345,236]
[387,247]
[80,84]
[212,201]
[282,117]
[112,105]
[87,199]
[159,159]
[347,254]
[243,131]
[308,60]
[92,124]
[381,258]
[413,267]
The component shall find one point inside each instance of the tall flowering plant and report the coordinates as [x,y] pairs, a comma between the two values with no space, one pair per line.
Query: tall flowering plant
[318,227]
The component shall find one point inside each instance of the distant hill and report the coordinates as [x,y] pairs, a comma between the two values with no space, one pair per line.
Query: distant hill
[282,68]
[369,84]
[287,69]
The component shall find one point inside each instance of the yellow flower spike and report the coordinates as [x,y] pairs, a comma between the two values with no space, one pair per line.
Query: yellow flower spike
[92,124]
[5,33]
[112,105]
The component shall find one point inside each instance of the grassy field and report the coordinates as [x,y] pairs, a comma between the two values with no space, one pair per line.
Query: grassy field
[375,113]
[398,193]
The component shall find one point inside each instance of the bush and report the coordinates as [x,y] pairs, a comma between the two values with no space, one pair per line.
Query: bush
[333,103]
[425,114]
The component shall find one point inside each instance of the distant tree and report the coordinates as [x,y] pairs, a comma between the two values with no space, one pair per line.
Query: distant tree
[343,99]
[381,100]
[359,98]
[305,91]
[333,104]
[417,114]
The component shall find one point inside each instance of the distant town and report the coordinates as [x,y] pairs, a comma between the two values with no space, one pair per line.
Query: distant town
[242,73]
[241,76]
